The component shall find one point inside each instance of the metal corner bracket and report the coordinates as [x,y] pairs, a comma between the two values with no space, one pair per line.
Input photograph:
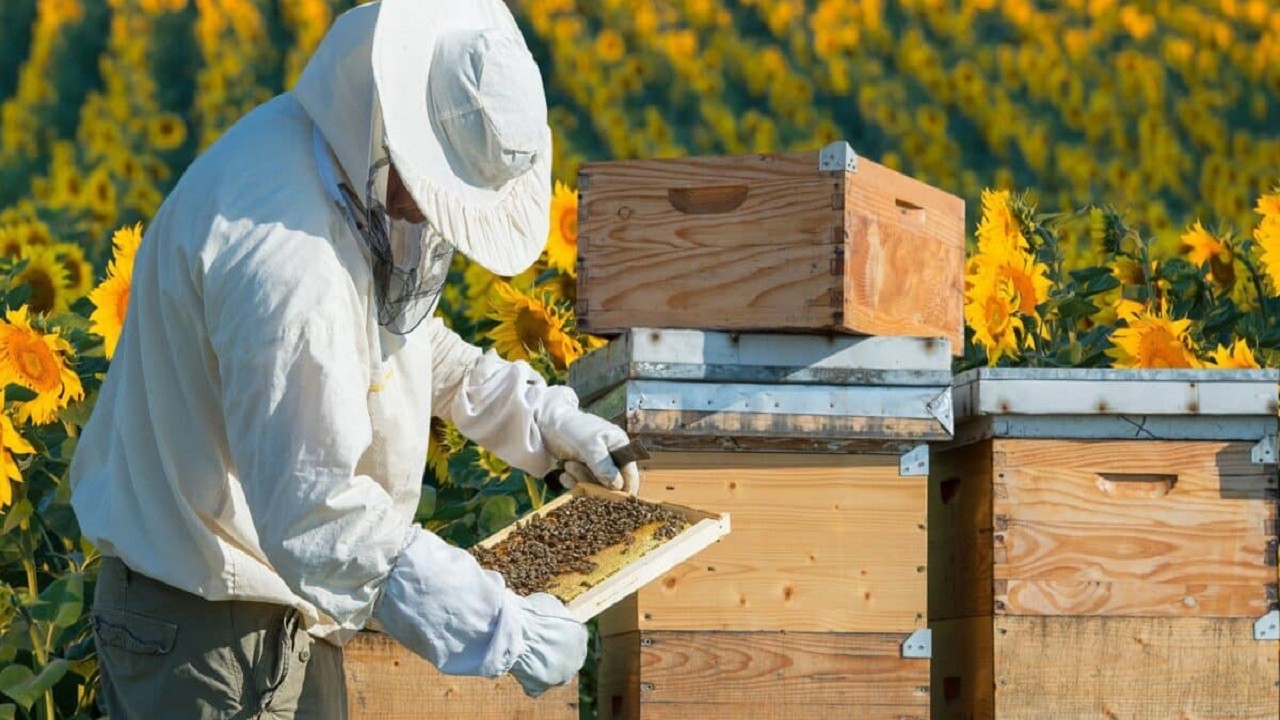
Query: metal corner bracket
[1267,627]
[838,157]
[919,646]
[1264,451]
[914,462]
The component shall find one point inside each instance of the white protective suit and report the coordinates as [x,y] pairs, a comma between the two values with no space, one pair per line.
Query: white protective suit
[260,437]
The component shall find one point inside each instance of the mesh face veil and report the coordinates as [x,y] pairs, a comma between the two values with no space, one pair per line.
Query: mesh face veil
[410,261]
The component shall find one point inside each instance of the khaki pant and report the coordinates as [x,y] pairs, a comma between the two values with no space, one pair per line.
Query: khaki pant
[170,655]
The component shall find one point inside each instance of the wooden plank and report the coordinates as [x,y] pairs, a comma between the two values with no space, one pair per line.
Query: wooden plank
[385,681]
[820,543]
[1197,517]
[1051,597]
[1134,668]
[904,259]
[780,669]
[960,544]
[704,529]
[618,677]
[962,683]
[710,711]
[783,286]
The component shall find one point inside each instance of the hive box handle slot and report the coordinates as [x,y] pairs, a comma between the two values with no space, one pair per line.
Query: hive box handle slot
[910,210]
[708,200]
[1136,485]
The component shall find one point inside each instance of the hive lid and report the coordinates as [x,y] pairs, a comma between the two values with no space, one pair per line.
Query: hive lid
[1111,403]
[762,358]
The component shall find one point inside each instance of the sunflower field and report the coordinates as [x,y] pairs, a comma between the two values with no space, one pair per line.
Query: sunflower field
[1121,161]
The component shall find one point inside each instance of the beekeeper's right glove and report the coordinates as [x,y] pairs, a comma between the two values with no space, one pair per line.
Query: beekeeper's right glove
[442,605]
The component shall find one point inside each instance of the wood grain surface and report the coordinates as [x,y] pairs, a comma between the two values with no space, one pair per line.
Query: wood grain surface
[768,242]
[387,682]
[960,529]
[1134,668]
[904,266]
[764,675]
[1133,528]
[819,543]
[962,684]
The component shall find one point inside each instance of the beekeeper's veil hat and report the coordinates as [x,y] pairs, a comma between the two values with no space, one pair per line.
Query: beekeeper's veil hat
[465,117]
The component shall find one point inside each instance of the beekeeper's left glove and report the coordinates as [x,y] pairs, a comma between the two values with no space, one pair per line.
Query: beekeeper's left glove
[583,442]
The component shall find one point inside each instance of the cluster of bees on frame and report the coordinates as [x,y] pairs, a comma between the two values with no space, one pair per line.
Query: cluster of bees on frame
[565,540]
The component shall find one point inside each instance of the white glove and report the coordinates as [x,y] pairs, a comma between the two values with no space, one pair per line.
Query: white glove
[583,441]
[555,645]
[442,605]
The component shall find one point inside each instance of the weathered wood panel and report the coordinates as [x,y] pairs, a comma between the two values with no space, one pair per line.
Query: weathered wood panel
[890,288]
[1133,527]
[763,675]
[768,242]
[1054,597]
[1134,668]
[960,544]
[819,543]
[962,684]
[387,682]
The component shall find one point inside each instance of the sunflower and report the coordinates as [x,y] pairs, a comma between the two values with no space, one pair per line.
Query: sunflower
[1268,236]
[1153,340]
[79,271]
[125,242]
[1269,205]
[444,442]
[1237,357]
[35,234]
[562,241]
[999,232]
[46,276]
[100,194]
[37,361]
[1128,271]
[11,442]
[991,310]
[10,241]
[1202,247]
[610,46]
[166,131]
[111,301]
[528,325]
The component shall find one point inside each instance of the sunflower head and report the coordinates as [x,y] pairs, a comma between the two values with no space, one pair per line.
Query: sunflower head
[1237,357]
[79,270]
[10,241]
[529,324]
[166,131]
[125,242]
[562,242]
[46,277]
[38,361]
[110,300]
[11,442]
[1153,340]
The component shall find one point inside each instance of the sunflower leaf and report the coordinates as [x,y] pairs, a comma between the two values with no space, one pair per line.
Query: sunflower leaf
[17,516]
[25,687]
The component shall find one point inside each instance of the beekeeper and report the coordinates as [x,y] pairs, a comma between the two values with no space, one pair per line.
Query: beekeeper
[254,461]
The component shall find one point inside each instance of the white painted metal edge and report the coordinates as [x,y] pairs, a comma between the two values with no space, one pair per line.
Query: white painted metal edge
[814,400]
[649,567]
[1117,396]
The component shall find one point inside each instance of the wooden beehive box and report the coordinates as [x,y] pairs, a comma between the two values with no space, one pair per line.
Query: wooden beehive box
[385,681]
[815,605]
[814,241]
[1103,545]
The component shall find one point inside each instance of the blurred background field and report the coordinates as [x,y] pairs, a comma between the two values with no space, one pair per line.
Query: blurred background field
[1145,135]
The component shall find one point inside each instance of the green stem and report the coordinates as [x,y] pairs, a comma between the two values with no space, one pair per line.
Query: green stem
[531,487]
[38,649]
[1257,284]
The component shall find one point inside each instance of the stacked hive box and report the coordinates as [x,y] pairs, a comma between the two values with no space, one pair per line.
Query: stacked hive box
[816,445]
[1103,545]
[814,606]
[387,682]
